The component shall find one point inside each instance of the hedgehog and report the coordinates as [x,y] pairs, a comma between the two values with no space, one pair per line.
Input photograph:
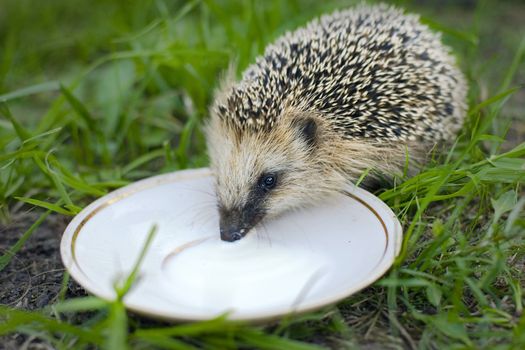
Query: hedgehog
[364,90]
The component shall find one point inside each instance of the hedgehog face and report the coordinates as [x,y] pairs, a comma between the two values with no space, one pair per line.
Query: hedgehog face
[262,173]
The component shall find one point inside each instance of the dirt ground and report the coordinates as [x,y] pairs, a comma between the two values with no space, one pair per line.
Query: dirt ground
[33,278]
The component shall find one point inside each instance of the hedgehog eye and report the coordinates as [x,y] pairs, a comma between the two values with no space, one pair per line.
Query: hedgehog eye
[268,181]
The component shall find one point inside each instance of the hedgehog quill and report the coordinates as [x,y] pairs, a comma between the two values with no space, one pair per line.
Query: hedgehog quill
[352,91]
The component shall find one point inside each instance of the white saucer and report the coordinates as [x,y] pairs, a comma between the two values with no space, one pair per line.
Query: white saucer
[302,261]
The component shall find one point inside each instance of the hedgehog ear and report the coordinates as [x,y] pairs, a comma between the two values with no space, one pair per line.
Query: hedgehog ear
[308,130]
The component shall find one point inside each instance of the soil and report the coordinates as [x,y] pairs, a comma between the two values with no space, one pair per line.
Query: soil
[33,278]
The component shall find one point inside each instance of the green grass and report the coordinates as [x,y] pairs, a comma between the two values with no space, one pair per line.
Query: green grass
[93,97]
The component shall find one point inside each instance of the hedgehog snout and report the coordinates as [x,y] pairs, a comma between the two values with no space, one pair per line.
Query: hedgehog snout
[230,235]
[231,225]
[235,223]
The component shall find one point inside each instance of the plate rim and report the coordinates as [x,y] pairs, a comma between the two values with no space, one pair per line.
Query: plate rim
[73,229]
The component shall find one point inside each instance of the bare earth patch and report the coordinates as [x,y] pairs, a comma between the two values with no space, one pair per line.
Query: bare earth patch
[34,277]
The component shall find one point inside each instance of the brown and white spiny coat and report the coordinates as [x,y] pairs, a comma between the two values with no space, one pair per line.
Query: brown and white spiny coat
[350,91]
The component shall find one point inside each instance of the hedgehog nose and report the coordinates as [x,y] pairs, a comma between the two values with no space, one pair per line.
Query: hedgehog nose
[230,236]
[235,236]
[230,225]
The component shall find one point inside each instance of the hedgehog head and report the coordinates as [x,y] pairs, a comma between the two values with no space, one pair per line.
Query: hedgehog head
[263,171]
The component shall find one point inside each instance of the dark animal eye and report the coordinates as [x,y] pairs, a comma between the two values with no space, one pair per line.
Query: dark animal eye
[268,181]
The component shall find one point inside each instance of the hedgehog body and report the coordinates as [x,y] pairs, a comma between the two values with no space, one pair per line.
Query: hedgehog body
[349,92]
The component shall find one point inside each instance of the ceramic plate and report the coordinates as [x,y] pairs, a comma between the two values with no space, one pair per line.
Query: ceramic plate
[299,262]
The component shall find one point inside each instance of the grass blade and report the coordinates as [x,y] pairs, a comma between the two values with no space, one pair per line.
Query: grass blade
[22,133]
[50,206]
[30,90]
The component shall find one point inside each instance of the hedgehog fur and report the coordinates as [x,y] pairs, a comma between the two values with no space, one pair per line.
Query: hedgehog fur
[353,91]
